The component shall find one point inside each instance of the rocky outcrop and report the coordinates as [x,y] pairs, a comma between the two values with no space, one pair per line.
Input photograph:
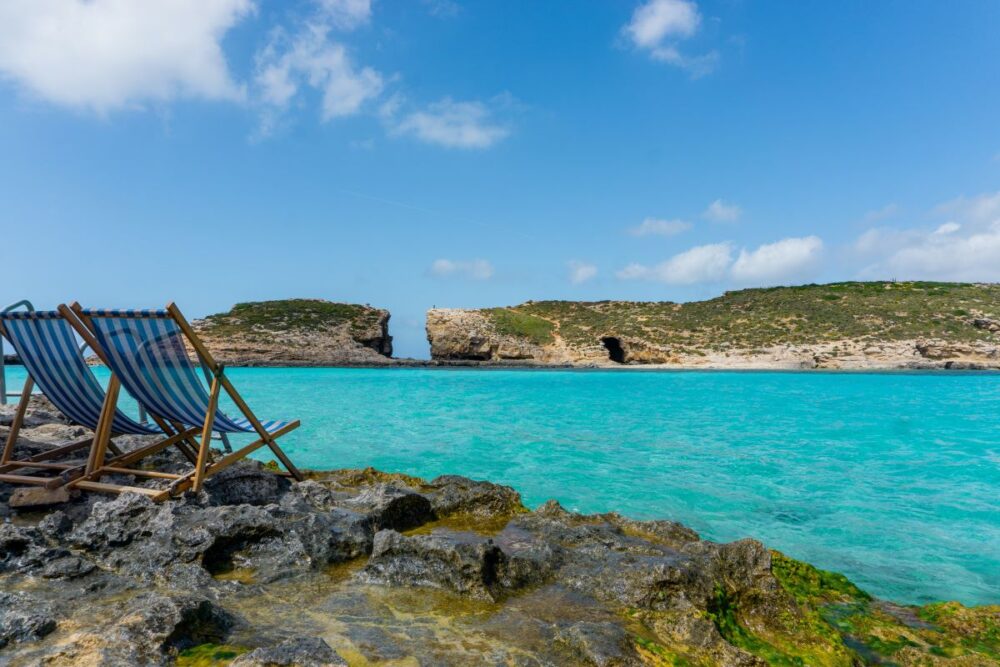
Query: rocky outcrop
[298,332]
[842,325]
[367,567]
[456,334]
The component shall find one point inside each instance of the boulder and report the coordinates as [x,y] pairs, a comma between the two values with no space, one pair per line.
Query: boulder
[300,652]
[451,494]
[465,563]
[23,618]
[151,625]
[392,506]
[602,644]
[246,482]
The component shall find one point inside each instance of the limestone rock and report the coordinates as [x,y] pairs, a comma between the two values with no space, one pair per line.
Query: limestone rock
[23,618]
[297,332]
[301,652]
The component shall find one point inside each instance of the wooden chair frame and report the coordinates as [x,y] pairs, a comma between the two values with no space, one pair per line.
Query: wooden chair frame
[203,468]
[13,471]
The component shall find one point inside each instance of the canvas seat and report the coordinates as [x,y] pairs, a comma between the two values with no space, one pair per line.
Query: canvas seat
[46,344]
[148,351]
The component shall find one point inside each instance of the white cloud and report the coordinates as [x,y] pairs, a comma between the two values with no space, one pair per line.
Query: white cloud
[105,55]
[966,247]
[475,269]
[777,261]
[346,14]
[720,211]
[467,125]
[657,227]
[879,214]
[312,58]
[581,272]
[701,264]
[658,25]
[782,260]
[658,19]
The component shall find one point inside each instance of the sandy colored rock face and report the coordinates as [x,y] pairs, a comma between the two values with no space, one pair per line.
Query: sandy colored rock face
[300,332]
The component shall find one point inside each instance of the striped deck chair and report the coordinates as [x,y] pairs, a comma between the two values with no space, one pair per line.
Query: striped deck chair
[146,349]
[46,344]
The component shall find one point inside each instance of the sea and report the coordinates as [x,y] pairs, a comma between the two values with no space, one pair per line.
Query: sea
[892,479]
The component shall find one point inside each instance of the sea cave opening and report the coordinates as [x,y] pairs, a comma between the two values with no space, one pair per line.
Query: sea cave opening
[614,348]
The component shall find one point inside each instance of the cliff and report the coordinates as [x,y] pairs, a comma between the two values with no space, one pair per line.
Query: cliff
[838,325]
[298,332]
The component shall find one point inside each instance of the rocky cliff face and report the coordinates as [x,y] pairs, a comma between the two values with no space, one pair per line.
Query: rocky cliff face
[841,325]
[298,332]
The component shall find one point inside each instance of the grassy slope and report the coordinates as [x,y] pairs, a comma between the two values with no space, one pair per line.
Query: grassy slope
[758,318]
[258,318]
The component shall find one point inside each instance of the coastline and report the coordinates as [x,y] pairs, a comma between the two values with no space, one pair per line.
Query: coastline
[388,566]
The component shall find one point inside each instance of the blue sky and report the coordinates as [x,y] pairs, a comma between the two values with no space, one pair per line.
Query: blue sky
[446,153]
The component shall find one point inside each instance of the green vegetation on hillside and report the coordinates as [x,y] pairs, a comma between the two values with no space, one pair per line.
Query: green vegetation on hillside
[513,322]
[289,314]
[759,318]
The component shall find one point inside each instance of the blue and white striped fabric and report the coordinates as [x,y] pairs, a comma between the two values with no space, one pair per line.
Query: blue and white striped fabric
[146,350]
[47,346]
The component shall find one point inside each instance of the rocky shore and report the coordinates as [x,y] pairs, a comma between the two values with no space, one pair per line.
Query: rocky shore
[361,567]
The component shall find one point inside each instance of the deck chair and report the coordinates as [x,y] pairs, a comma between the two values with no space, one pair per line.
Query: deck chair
[47,347]
[146,349]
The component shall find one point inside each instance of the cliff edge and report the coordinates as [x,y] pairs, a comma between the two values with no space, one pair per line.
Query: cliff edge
[851,325]
[298,332]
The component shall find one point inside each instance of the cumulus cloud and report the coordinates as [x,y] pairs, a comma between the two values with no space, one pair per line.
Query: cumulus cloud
[581,272]
[720,211]
[782,260]
[448,123]
[475,269]
[965,247]
[701,264]
[104,55]
[657,26]
[657,227]
[312,58]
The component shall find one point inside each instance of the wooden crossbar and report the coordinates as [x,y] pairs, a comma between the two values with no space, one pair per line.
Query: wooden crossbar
[156,494]
[140,473]
[43,465]
[47,482]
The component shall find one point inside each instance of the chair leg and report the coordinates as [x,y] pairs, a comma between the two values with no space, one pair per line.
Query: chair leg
[206,435]
[15,426]
[103,434]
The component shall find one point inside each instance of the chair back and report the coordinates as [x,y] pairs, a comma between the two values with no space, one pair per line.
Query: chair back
[47,346]
[146,349]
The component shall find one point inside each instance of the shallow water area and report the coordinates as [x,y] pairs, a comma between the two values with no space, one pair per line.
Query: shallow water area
[890,478]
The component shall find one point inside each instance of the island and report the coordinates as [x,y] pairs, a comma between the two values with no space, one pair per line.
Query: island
[847,325]
[298,332]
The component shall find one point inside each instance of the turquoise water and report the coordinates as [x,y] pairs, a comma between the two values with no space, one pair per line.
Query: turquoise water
[892,479]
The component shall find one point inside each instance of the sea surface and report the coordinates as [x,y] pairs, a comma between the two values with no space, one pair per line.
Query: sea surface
[891,478]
